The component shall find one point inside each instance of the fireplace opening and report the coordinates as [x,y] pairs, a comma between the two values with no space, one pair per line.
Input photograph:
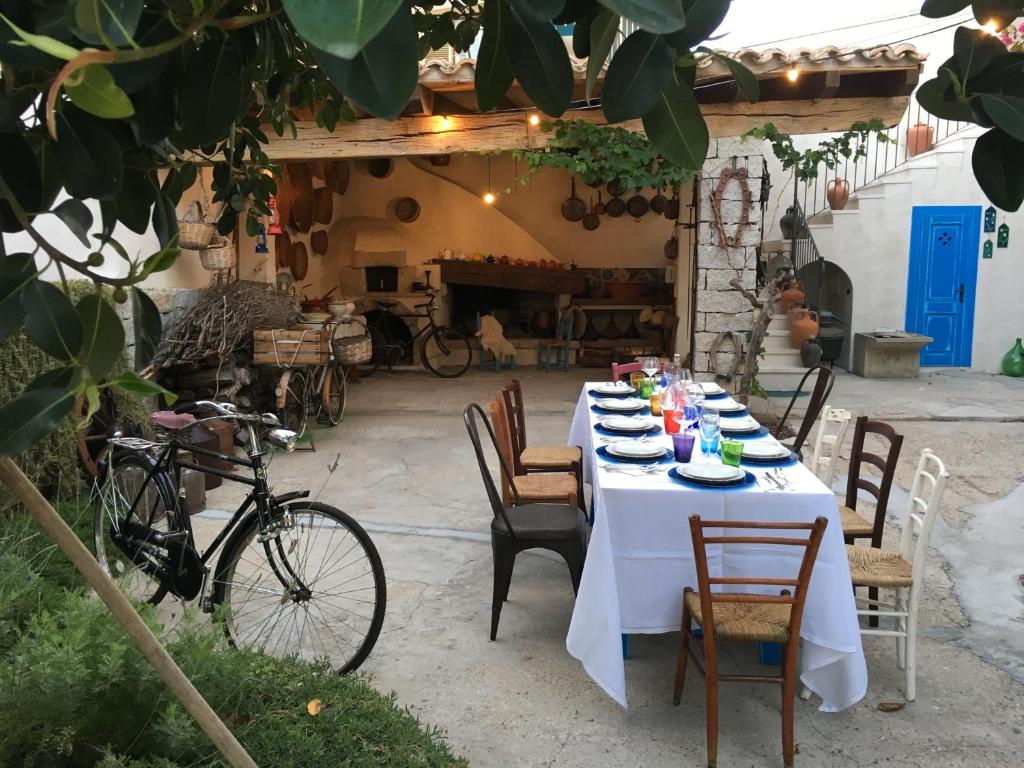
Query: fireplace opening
[522,314]
[381,279]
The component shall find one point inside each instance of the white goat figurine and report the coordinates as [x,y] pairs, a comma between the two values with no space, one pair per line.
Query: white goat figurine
[492,339]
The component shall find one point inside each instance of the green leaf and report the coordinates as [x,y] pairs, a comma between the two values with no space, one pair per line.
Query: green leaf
[1003,71]
[539,61]
[1001,11]
[702,18]
[341,28]
[1007,112]
[103,335]
[602,34]
[147,326]
[746,80]
[677,129]
[158,262]
[88,154]
[998,163]
[77,217]
[135,200]
[658,16]
[937,9]
[165,221]
[542,10]
[581,37]
[20,172]
[382,77]
[31,416]
[92,88]
[64,377]
[17,271]
[937,97]
[44,43]
[974,50]
[115,19]
[51,322]
[130,381]
[92,400]
[493,71]
[639,72]
[209,94]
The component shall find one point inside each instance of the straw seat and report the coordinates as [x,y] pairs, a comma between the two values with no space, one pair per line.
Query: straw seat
[751,622]
[543,457]
[853,524]
[870,567]
[547,487]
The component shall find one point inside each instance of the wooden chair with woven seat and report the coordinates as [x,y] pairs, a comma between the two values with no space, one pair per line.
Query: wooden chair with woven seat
[560,528]
[538,458]
[902,570]
[828,441]
[855,525]
[746,616]
[556,487]
[826,378]
[624,369]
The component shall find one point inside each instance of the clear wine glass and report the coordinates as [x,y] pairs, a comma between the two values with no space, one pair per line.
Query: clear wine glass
[649,365]
[694,400]
[710,430]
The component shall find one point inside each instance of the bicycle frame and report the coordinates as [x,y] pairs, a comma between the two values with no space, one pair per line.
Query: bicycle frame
[431,325]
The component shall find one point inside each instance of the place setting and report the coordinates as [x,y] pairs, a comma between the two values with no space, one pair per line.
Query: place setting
[633,457]
[612,389]
[629,405]
[719,467]
[627,427]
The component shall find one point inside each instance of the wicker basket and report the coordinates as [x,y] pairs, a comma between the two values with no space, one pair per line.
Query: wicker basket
[353,350]
[217,256]
[194,233]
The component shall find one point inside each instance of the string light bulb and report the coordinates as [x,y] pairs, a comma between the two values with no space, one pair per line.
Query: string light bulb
[991,26]
[534,119]
[793,74]
[489,198]
[446,122]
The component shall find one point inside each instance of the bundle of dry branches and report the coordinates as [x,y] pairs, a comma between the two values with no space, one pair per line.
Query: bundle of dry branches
[222,322]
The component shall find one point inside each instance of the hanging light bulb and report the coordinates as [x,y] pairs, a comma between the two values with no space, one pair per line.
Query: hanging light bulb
[446,122]
[534,119]
[793,74]
[991,26]
[489,198]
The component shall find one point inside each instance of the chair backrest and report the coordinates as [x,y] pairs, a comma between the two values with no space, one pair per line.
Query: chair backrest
[828,442]
[513,396]
[565,323]
[793,591]
[624,369]
[886,465]
[469,416]
[826,378]
[922,509]
[503,432]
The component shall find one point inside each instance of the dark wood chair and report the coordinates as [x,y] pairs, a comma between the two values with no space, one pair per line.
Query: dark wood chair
[826,378]
[747,617]
[560,528]
[538,458]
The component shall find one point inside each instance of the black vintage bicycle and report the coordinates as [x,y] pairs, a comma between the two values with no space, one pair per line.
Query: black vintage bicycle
[294,577]
[444,350]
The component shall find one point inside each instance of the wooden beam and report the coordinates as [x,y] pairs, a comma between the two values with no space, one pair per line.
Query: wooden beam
[831,84]
[372,137]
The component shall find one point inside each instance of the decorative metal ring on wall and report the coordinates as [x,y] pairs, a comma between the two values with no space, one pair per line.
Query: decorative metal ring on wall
[740,176]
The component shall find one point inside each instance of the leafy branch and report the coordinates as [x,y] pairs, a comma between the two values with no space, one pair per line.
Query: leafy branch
[850,145]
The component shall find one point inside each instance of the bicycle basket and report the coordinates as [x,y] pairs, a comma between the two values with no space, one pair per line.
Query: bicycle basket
[353,350]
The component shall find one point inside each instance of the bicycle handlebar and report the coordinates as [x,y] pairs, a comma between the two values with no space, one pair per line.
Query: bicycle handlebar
[228,410]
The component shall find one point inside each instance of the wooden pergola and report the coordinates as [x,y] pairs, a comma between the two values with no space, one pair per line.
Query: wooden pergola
[836,87]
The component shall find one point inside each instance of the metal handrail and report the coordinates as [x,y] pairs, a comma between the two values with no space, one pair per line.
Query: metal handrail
[804,253]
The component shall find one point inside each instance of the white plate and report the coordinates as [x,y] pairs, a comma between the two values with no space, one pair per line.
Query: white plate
[636,450]
[624,424]
[711,473]
[741,424]
[622,388]
[725,405]
[710,388]
[629,404]
[765,449]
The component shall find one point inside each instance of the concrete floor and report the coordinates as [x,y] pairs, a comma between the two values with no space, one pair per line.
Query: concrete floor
[407,473]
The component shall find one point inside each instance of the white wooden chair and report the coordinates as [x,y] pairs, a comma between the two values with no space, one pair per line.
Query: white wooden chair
[829,442]
[902,570]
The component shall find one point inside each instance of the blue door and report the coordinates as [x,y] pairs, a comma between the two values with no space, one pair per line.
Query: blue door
[942,277]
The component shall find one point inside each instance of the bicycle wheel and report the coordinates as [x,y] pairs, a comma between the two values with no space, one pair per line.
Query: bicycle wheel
[336,390]
[310,583]
[446,352]
[293,414]
[117,490]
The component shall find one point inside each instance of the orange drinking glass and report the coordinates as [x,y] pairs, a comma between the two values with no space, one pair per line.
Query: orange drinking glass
[673,420]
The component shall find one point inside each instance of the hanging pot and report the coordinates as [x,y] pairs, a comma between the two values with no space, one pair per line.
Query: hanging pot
[615,207]
[1013,361]
[659,203]
[336,176]
[573,209]
[323,205]
[838,194]
[318,242]
[407,210]
[299,261]
[282,250]
[672,248]
[591,221]
[301,181]
[615,188]
[599,208]
[637,205]
[380,167]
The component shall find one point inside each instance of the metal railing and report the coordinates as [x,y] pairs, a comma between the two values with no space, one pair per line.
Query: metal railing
[808,263]
[880,158]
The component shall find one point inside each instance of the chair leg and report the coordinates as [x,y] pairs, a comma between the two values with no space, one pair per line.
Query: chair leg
[711,688]
[911,654]
[788,691]
[504,561]
[901,624]
[682,656]
[873,595]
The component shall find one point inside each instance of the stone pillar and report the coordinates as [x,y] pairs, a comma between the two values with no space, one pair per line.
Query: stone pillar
[717,306]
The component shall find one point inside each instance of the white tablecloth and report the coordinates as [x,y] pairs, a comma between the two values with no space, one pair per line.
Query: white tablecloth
[641,556]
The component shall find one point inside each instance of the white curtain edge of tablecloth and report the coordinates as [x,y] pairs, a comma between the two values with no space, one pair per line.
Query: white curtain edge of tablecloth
[608,689]
[833,657]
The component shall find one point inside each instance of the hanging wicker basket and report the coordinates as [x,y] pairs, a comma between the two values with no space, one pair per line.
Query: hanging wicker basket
[217,256]
[194,232]
[351,343]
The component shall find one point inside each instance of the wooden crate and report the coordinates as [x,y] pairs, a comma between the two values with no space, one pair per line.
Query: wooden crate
[291,348]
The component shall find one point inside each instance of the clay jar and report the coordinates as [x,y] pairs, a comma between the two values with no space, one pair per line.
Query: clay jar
[838,194]
[792,293]
[803,327]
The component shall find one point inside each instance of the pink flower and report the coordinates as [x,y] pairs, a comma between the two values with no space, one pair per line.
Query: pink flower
[1020,27]
[1006,39]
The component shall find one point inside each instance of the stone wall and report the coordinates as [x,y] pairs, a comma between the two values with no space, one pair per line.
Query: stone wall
[718,307]
[170,302]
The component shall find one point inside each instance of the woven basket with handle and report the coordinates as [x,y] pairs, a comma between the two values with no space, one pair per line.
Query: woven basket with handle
[351,343]
[194,232]
[217,256]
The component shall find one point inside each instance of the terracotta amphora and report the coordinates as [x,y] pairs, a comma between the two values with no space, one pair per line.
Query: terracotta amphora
[838,194]
[803,327]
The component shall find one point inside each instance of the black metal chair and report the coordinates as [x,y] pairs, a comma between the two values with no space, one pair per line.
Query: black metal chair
[557,527]
[819,395]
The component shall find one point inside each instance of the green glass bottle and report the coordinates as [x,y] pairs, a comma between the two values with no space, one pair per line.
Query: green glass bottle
[1013,361]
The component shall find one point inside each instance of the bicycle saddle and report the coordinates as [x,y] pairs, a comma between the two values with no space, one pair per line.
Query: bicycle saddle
[170,419]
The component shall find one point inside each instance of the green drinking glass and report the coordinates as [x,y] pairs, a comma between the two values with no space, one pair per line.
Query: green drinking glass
[732,452]
[646,388]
